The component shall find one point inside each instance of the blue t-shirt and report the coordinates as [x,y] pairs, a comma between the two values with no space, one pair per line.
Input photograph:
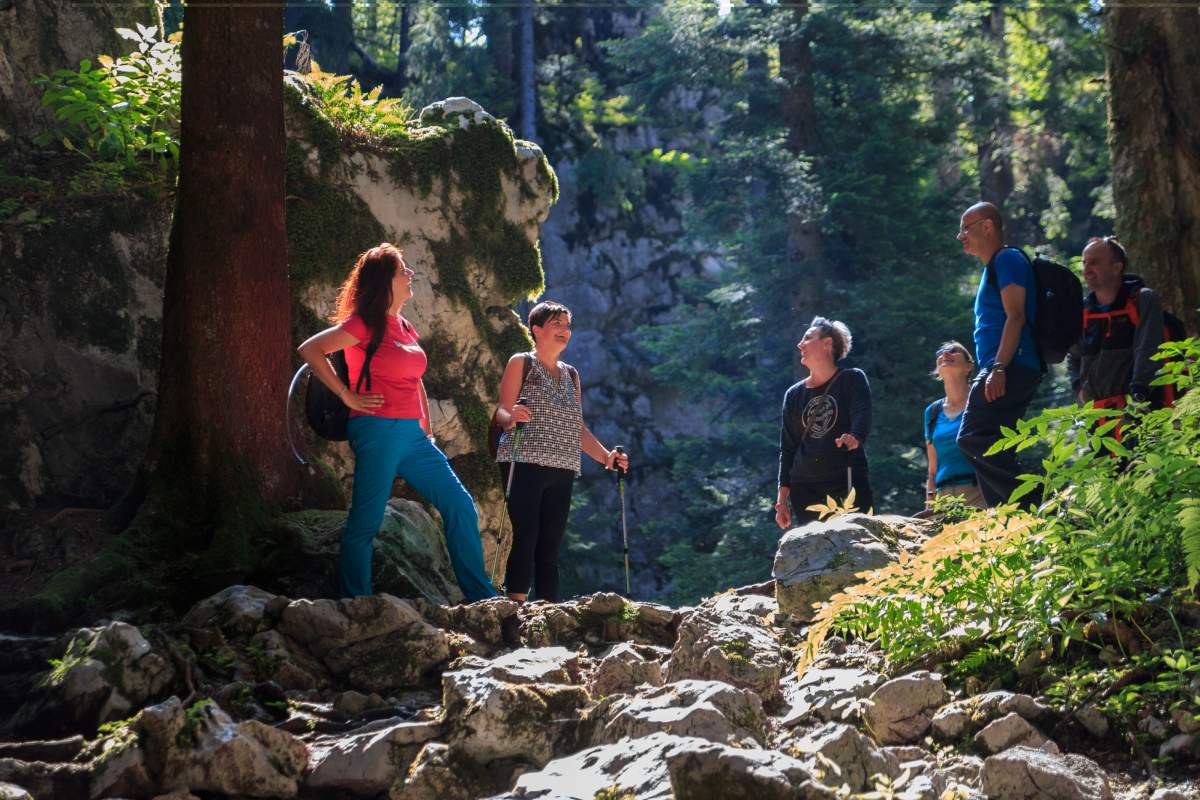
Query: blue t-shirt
[953,469]
[1011,266]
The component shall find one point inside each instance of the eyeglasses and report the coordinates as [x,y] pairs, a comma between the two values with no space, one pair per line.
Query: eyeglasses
[963,230]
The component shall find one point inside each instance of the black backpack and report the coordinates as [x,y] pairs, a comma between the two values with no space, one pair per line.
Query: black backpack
[325,412]
[1058,315]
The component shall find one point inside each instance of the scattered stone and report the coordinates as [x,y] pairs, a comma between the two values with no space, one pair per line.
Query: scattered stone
[535,665]
[41,780]
[483,621]
[9,791]
[1181,744]
[488,718]
[856,759]
[1026,772]
[351,703]
[434,775]
[1009,731]
[367,763]
[1093,721]
[733,648]
[900,710]
[708,710]
[1172,793]
[829,694]
[623,668]
[1185,721]
[236,610]
[816,560]
[666,766]
[967,716]
[104,675]
[1153,727]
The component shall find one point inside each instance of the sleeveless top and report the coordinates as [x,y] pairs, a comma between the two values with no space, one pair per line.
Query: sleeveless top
[553,435]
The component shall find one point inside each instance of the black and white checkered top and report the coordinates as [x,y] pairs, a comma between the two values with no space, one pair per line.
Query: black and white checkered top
[553,435]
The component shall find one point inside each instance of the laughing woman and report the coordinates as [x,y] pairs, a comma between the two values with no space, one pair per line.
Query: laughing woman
[547,452]
[389,429]
[826,419]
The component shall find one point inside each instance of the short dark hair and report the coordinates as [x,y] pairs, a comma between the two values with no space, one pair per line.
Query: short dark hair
[545,311]
[1114,247]
[833,329]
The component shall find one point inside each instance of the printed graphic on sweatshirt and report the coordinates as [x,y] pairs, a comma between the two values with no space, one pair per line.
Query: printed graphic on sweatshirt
[820,415]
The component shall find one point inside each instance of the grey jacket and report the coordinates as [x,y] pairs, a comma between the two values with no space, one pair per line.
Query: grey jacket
[1113,357]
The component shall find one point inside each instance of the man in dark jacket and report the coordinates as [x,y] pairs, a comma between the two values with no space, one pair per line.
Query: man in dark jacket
[1123,327]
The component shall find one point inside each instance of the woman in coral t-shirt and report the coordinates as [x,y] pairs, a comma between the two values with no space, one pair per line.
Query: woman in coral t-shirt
[389,422]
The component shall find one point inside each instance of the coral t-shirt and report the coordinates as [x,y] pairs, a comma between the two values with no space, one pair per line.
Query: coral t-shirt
[396,367]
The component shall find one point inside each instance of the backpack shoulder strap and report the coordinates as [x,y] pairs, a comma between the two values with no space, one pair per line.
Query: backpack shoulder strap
[935,408]
[575,379]
[365,372]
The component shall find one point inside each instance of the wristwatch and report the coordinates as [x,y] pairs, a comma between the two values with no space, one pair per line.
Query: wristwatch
[999,366]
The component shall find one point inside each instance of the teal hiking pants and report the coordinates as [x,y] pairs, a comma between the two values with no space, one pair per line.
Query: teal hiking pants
[384,448]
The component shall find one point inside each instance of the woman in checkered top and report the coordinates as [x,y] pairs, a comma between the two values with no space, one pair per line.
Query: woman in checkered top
[548,453]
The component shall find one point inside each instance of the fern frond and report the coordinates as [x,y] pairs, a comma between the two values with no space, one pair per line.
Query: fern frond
[1189,521]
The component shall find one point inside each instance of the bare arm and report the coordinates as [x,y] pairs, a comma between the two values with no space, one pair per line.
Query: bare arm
[510,392]
[1013,298]
[314,350]
[931,478]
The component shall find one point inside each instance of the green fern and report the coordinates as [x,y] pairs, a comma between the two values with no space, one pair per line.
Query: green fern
[1189,521]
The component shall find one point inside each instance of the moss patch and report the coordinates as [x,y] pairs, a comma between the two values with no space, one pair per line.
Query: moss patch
[327,227]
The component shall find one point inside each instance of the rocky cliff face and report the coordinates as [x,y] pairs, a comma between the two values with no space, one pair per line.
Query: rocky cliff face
[82,297]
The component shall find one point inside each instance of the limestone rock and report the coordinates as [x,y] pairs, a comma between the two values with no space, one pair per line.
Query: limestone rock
[488,718]
[434,775]
[1009,731]
[1180,746]
[380,642]
[10,791]
[662,766]
[408,557]
[104,674]
[900,710]
[708,710]
[236,610]
[1024,773]
[1093,721]
[818,559]
[829,694]
[855,757]
[732,647]
[244,758]
[535,665]
[968,715]
[483,621]
[622,669]
[368,762]
[59,781]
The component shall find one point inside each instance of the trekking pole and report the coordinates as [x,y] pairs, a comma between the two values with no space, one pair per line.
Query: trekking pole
[849,483]
[619,450]
[512,469]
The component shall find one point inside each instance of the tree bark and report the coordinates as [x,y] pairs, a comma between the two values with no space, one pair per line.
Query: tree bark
[798,107]
[220,434]
[993,123]
[528,89]
[1153,67]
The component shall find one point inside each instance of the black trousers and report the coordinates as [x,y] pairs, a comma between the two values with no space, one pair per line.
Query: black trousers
[812,492]
[980,429]
[538,508]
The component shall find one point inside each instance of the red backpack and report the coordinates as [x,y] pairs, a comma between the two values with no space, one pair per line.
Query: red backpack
[1173,330]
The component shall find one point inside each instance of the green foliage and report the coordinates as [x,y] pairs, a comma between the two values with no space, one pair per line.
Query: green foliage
[1118,526]
[125,109]
[188,735]
[358,117]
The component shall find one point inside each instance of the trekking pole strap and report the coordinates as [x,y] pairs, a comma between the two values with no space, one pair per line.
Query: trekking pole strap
[288,412]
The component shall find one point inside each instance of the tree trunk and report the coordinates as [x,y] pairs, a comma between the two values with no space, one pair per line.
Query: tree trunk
[1154,137]
[219,442]
[993,124]
[798,108]
[528,89]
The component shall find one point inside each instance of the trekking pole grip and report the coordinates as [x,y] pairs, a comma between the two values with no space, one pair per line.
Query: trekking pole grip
[620,451]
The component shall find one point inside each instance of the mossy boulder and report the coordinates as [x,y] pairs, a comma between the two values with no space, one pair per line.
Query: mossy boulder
[409,558]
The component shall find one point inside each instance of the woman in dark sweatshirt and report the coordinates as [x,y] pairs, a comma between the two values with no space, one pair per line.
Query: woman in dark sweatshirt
[826,419]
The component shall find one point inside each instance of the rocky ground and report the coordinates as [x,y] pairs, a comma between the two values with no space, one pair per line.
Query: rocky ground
[253,694]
